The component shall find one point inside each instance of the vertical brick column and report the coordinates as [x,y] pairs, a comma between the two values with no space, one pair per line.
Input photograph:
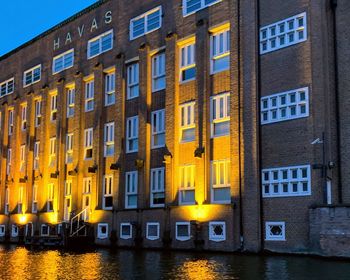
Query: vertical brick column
[4,138]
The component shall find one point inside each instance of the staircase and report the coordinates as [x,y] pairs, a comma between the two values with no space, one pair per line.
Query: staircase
[78,223]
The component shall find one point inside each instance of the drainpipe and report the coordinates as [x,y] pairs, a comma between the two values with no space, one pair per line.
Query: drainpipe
[336,89]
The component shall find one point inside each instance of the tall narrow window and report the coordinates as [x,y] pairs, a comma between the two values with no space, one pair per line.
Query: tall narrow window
[108,192]
[158,72]
[7,201]
[9,161]
[220,114]
[187,62]
[88,141]
[158,129]
[52,152]
[133,80]
[69,148]
[24,117]
[131,189]
[67,199]
[89,95]
[87,185]
[110,88]
[220,181]
[37,112]
[20,200]
[146,23]
[70,101]
[11,122]
[109,139]
[36,155]
[35,199]
[53,113]
[187,122]
[187,185]
[220,51]
[132,134]
[157,187]
[22,163]
[50,197]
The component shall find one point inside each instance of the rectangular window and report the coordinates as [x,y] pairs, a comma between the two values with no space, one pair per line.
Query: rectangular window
[2,230]
[89,95]
[7,201]
[52,152]
[220,115]
[37,112]
[108,192]
[50,197]
[217,231]
[110,88]
[63,61]
[158,129]
[283,33]
[152,231]
[188,126]
[220,181]
[14,231]
[53,113]
[158,72]
[67,200]
[183,231]
[9,161]
[36,155]
[45,230]
[125,231]
[87,184]
[188,62]
[133,80]
[7,87]
[157,187]
[131,189]
[22,163]
[11,122]
[24,117]
[88,141]
[32,76]
[70,102]
[20,200]
[275,231]
[146,23]
[102,231]
[285,106]
[187,185]
[35,199]
[109,139]
[191,6]
[69,148]
[286,181]
[100,44]
[132,134]
[220,51]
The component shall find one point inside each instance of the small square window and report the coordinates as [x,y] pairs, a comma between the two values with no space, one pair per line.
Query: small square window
[183,231]
[217,231]
[152,231]
[125,231]
[14,231]
[267,189]
[102,231]
[2,230]
[275,231]
[45,230]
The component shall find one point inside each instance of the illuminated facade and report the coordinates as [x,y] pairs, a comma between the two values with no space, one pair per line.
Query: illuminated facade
[176,124]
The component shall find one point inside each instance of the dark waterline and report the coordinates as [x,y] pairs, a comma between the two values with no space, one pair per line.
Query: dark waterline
[21,263]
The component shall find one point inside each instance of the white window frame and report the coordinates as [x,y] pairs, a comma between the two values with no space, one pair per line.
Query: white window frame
[147,231]
[216,118]
[155,183]
[11,126]
[145,18]
[132,133]
[36,155]
[99,39]
[107,193]
[69,148]
[41,230]
[89,95]
[109,138]
[202,6]
[158,127]
[158,71]
[31,73]
[38,115]
[14,231]
[187,120]
[35,199]
[53,106]
[20,200]
[22,163]
[63,57]
[50,196]
[68,185]
[109,88]
[7,201]
[129,191]
[88,142]
[133,80]
[8,161]
[215,56]
[282,177]
[24,109]
[52,151]
[7,87]
[2,230]
[188,178]
[70,101]
[187,59]
[183,238]
[271,35]
[273,106]
[227,184]
[121,232]
[269,236]
[100,234]
[212,235]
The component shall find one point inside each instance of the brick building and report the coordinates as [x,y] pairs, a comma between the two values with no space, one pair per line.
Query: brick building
[181,124]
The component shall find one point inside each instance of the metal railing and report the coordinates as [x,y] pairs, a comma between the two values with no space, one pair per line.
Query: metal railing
[77,223]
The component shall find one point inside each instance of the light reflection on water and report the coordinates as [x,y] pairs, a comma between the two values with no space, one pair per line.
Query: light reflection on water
[20,263]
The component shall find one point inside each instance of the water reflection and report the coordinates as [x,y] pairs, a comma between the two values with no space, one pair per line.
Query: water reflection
[21,263]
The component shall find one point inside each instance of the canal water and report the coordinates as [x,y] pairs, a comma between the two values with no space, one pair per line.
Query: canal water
[20,263]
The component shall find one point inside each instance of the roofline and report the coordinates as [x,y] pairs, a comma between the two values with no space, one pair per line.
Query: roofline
[54,28]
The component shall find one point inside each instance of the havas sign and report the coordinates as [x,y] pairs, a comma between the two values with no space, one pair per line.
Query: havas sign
[70,36]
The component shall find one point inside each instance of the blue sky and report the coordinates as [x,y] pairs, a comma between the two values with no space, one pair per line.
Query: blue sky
[22,20]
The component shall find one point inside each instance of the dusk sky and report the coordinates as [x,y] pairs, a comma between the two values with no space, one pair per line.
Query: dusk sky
[22,20]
